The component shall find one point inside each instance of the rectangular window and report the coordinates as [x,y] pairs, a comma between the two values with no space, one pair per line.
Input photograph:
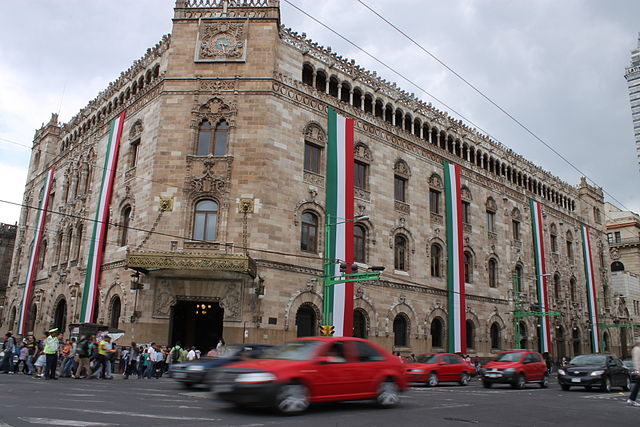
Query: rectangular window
[554,243]
[465,212]
[610,237]
[311,157]
[617,236]
[570,250]
[400,188]
[360,175]
[434,201]
[516,230]
[133,160]
[491,222]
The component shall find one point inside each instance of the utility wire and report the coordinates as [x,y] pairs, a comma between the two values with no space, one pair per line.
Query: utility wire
[393,70]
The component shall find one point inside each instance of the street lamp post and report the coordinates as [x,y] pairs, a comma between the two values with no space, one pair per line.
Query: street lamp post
[330,278]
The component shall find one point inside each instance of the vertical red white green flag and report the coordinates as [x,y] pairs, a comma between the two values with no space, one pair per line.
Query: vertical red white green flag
[541,275]
[100,223]
[45,192]
[455,260]
[591,290]
[338,299]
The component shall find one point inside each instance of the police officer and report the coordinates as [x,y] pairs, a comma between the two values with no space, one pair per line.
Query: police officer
[51,354]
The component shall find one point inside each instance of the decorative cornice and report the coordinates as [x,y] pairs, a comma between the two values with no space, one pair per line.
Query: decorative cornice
[190,261]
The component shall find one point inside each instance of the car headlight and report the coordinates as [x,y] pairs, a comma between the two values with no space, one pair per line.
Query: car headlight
[255,377]
[417,371]
[596,373]
[508,370]
[561,372]
[197,368]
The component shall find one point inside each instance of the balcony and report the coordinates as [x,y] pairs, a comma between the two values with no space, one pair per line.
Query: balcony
[627,241]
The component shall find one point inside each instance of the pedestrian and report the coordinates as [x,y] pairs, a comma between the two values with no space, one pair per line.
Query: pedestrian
[83,354]
[151,361]
[192,354]
[221,347]
[159,365]
[22,359]
[198,354]
[31,346]
[8,347]
[69,365]
[175,353]
[635,356]
[102,359]
[51,344]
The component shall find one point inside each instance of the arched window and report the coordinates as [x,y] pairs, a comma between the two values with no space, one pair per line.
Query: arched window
[617,266]
[116,308]
[67,246]
[436,260]
[570,246]
[468,267]
[495,336]
[517,281]
[306,321]
[605,338]
[42,256]
[12,319]
[401,181]
[491,209]
[400,253]
[400,330]
[437,332]
[572,289]
[307,74]
[359,239]
[59,244]
[205,221]
[78,243]
[124,225]
[60,316]
[493,273]
[213,141]
[556,286]
[309,232]
[471,334]
[359,323]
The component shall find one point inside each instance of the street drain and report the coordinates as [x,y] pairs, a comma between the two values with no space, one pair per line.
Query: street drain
[462,420]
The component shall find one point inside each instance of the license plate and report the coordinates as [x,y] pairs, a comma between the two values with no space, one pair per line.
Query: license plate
[179,375]
[575,380]
[224,388]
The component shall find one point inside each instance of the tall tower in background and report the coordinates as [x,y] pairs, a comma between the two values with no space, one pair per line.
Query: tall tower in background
[632,74]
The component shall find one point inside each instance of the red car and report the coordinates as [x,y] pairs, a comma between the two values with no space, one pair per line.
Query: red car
[433,368]
[314,369]
[517,367]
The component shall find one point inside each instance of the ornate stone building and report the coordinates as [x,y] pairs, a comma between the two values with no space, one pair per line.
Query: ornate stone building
[219,200]
[7,241]
[632,75]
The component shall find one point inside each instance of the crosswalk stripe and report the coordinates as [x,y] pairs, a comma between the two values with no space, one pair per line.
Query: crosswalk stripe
[58,422]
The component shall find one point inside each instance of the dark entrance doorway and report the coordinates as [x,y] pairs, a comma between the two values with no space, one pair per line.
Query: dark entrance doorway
[197,323]
[306,321]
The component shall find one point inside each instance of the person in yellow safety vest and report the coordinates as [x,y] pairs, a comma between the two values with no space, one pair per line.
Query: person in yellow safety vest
[104,353]
[51,354]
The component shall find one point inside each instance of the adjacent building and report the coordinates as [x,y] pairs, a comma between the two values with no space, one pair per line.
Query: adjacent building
[7,240]
[632,74]
[218,204]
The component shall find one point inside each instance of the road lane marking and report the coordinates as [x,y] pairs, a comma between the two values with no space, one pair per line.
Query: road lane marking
[130,414]
[58,422]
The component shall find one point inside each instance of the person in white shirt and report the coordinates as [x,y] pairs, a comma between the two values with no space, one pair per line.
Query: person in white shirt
[192,354]
[635,355]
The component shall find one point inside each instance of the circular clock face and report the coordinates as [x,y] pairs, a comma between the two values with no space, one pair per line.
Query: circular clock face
[222,43]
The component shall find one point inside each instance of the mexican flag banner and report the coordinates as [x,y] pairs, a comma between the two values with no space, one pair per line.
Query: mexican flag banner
[541,274]
[591,290]
[338,299]
[455,260]
[45,192]
[96,250]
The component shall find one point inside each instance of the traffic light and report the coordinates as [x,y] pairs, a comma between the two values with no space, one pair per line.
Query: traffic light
[327,330]
[343,267]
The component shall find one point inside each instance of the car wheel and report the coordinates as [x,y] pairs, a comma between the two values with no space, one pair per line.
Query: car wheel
[627,385]
[388,394]
[187,385]
[465,379]
[486,384]
[587,388]
[520,382]
[433,379]
[606,385]
[292,398]
[545,381]
[565,387]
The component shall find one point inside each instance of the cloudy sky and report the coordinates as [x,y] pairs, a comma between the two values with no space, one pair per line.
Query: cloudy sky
[557,66]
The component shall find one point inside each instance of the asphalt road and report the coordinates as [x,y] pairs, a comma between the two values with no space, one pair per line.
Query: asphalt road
[66,402]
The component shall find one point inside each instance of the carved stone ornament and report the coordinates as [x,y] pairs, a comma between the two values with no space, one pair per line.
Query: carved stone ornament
[401,168]
[361,152]
[313,132]
[163,300]
[435,182]
[615,254]
[214,110]
[232,302]
[221,42]
[208,183]
[136,130]
[166,204]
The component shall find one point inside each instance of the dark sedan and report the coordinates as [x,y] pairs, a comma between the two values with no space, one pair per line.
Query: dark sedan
[635,376]
[194,372]
[595,370]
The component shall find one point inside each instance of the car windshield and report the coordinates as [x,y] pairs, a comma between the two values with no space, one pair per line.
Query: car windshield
[294,350]
[509,357]
[588,359]
[427,358]
[628,363]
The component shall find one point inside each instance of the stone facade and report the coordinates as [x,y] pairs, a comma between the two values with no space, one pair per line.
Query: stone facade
[219,117]
[7,241]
